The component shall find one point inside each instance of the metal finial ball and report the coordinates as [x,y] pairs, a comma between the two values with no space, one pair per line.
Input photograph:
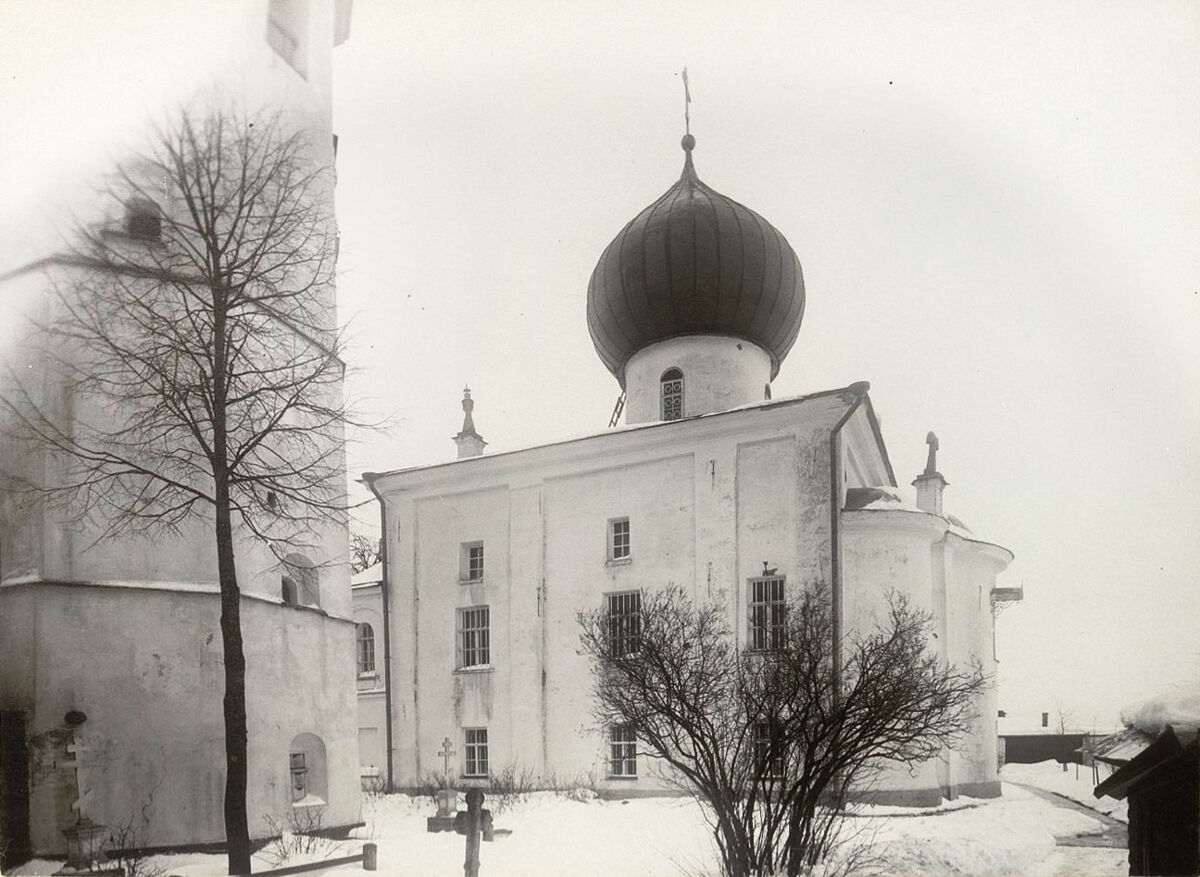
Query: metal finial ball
[688,142]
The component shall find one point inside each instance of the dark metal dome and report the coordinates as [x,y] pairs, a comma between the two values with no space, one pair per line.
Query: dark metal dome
[694,263]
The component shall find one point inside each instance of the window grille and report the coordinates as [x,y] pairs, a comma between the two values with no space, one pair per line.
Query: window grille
[476,752]
[299,776]
[768,750]
[622,742]
[672,394]
[624,623]
[767,611]
[366,649]
[473,637]
[618,539]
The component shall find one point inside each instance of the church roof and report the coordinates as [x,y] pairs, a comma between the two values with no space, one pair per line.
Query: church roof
[826,409]
[694,262]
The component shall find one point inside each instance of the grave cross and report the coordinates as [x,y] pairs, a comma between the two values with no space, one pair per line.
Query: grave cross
[446,754]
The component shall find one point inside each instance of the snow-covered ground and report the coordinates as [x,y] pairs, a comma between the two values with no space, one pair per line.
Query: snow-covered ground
[1075,783]
[667,837]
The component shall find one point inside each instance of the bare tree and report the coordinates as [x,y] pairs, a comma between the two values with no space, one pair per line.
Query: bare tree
[197,346]
[364,552]
[762,738]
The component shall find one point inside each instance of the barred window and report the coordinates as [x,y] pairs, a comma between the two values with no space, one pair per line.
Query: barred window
[471,562]
[475,748]
[768,750]
[767,610]
[299,776]
[618,539]
[473,637]
[622,758]
[366,649]
[672,394]
[624,623]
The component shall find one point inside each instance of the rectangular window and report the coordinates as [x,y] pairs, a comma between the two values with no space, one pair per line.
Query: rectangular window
[471,562]
[299,776]
[473,637]
[624,623]
[618,539]
[767,610]
[622,758]
[475,750]
[768,750]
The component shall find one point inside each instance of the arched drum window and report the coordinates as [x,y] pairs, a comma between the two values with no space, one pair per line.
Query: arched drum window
[672,394]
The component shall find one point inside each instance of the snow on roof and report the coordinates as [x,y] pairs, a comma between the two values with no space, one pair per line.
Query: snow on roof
[1027,726]
[859,388]
[1121,747]
[1178,707]
[894,499]
[369,576]
[885,498]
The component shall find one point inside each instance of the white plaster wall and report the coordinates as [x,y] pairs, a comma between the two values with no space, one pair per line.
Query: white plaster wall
[719,372]
[658,498]
[705,509]
[884,552]
[372,705]
[452,699]
[971,575]
[951,578]
[154,735]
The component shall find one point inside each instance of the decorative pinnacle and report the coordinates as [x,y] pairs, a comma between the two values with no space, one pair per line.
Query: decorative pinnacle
[931,462]
[468,405]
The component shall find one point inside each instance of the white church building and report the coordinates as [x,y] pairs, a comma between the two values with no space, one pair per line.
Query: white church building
[111,665]
[710,485]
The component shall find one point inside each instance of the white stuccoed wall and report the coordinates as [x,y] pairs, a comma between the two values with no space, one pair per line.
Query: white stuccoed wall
[708,502]
[719,373]
[125,630]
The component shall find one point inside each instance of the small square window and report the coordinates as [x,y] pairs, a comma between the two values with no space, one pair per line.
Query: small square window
[619,545]
[474,647]
[470,564]
[475,759]
[622,744]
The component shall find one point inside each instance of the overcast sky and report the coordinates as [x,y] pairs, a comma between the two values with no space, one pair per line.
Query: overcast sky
[995,206]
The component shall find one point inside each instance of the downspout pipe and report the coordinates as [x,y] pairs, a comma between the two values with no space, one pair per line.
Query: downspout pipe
[859,390]
[385,588]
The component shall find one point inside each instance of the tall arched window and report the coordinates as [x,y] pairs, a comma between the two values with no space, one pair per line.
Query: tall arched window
[366,649]
[672,394]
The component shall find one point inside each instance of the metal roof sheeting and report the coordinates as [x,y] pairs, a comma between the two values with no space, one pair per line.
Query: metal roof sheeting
[695,263]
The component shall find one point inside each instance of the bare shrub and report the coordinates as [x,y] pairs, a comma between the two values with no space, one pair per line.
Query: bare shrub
[771,741]
[301,837]
[126,849]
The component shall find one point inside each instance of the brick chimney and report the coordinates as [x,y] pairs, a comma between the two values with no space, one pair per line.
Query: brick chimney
[930,483]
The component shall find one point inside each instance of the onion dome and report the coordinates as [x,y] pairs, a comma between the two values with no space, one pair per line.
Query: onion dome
[694,263]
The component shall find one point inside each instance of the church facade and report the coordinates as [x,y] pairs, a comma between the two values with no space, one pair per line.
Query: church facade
[111,665]
[710,485]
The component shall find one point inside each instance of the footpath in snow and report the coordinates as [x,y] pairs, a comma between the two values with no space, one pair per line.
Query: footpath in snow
[1075,783]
